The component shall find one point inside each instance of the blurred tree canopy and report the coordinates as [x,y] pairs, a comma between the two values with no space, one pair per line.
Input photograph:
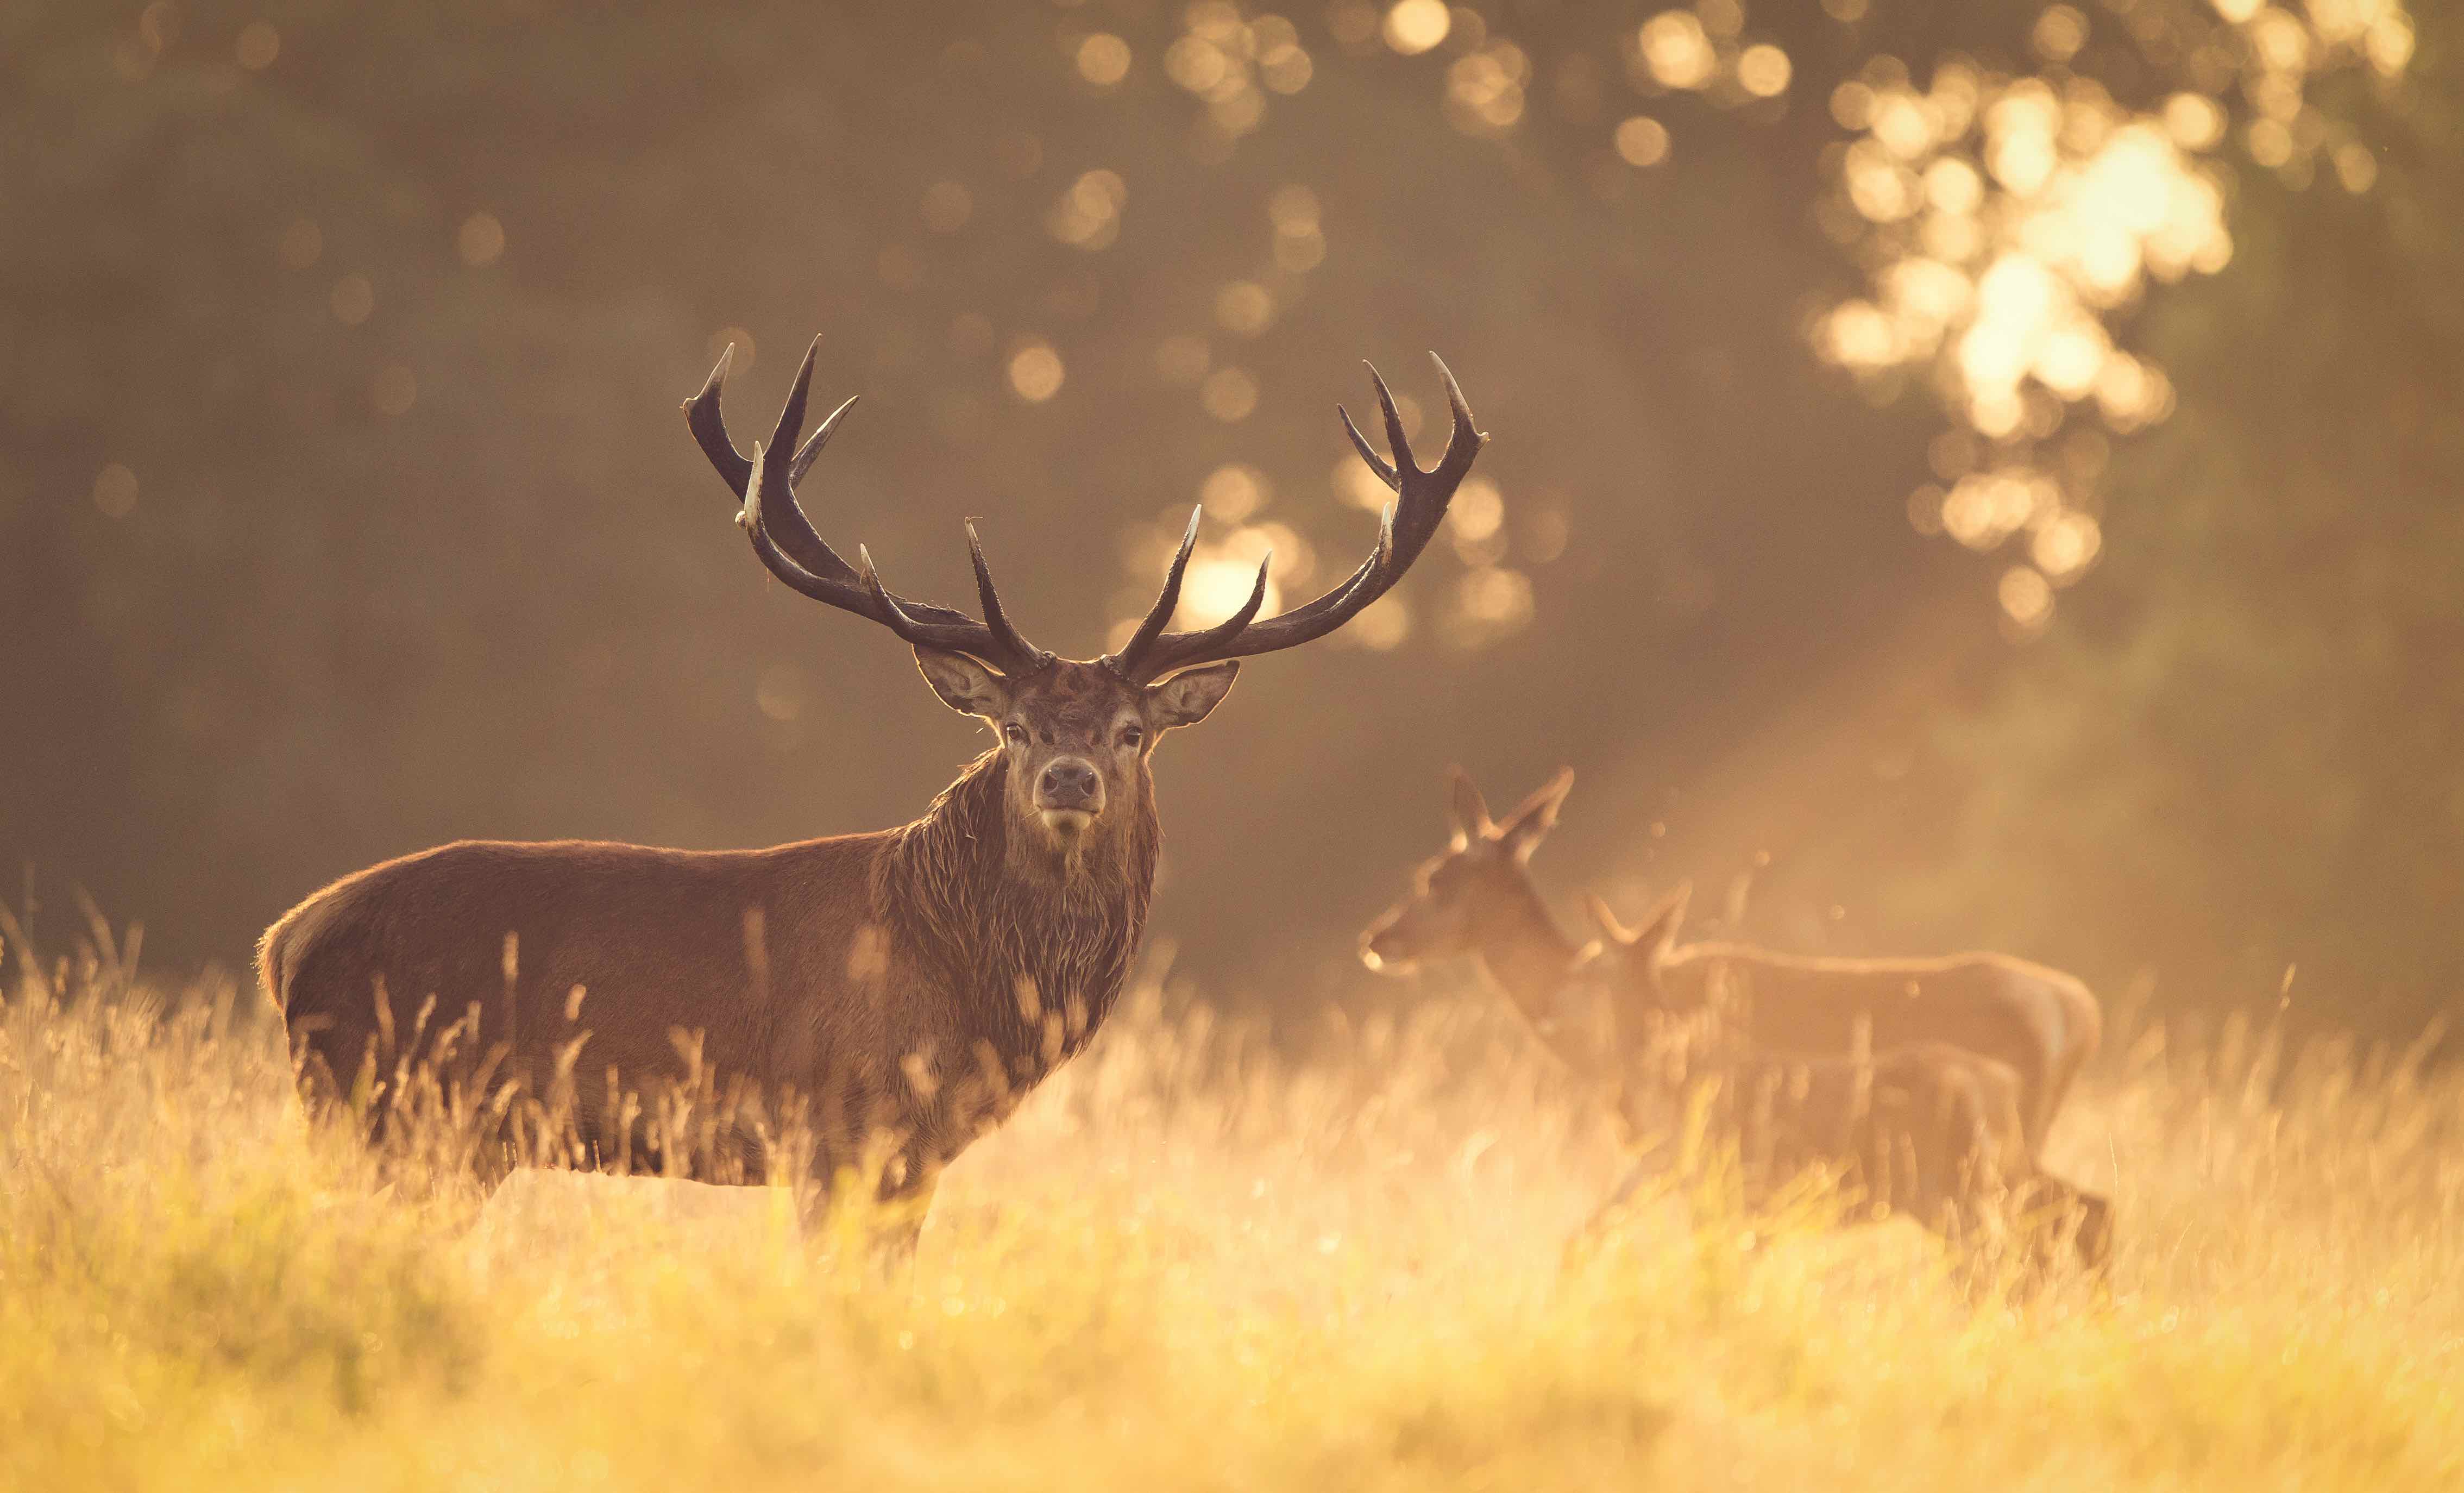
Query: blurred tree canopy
[2239,761]
[342,509]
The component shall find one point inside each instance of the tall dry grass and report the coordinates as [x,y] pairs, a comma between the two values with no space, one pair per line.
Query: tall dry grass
[1192,1262]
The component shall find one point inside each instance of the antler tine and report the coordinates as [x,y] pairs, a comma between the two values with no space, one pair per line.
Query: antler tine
[788,545]
[1377,464]
[810,452]
[1464,437]
[1167,602]
[1198,645]
[710,429]
[1397,442]
[926,627]
[789,526]
[791,414]
[1403,530]
[989,595]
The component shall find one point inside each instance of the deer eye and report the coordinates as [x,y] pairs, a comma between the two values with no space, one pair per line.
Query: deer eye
[1015,732]
[1130,736]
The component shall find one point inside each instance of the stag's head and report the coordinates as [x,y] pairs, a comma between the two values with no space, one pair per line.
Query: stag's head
[1075,736]
[1482,868]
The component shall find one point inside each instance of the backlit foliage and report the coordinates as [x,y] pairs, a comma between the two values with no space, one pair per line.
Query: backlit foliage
[2009,225]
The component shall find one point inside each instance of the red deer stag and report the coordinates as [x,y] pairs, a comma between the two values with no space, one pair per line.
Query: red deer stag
[1930,1130]
[2043,1023]
[912,982]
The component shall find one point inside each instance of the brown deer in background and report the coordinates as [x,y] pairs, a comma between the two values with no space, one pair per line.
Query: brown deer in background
[1475,899]
[2042,1024]
[1928,1129]
[913,982]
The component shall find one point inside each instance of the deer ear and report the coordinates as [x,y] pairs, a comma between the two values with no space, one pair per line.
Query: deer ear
[1191,695]
[1469,810]
[1535,815]
[964,685]
[1658,933]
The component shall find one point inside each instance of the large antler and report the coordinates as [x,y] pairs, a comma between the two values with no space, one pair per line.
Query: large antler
[797,553]
[1420,505]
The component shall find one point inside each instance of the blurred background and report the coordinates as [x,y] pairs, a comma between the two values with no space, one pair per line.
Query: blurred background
[1966,472]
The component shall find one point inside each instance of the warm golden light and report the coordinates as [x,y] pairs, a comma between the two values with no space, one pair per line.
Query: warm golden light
[1642,140]
[1384,626]
[1229,394]
[1103,60]
[1035,372]
[1414,26]
[1089,214]
[1763,71]
[1243,308]
[2027,598]
[1233,493]
[2059,32]
[1478,511]
[1677,50]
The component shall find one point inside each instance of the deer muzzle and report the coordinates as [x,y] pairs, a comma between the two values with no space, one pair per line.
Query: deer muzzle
[1068,794]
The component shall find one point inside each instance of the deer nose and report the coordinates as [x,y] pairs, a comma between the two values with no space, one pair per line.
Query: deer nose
[1069,784]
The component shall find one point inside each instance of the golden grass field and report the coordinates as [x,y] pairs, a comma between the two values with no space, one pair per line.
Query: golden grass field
[1191,1264]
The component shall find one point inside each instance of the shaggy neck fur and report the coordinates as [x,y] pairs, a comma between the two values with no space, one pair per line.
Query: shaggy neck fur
[1036,941]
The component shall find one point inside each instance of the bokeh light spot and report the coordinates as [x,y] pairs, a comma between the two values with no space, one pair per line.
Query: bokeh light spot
[1243,308]
[728,336]
[1089,214]
[1103,60]
[1478,511]
[394,389]
[2027,598]
[1035,372]
[1643,141]
[1763,71]
[1677,50]
[947,205]
[1234,493]
[480,240]
[1414,26]
[2059,32]
[1229,394]
[354,299]
[779,692]
[259,44]
[115,491]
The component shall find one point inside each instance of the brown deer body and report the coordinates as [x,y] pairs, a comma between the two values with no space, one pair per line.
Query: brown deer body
[1928,1131]
[2042,1024]
[1936,1125]
[912,983]
[918,942]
